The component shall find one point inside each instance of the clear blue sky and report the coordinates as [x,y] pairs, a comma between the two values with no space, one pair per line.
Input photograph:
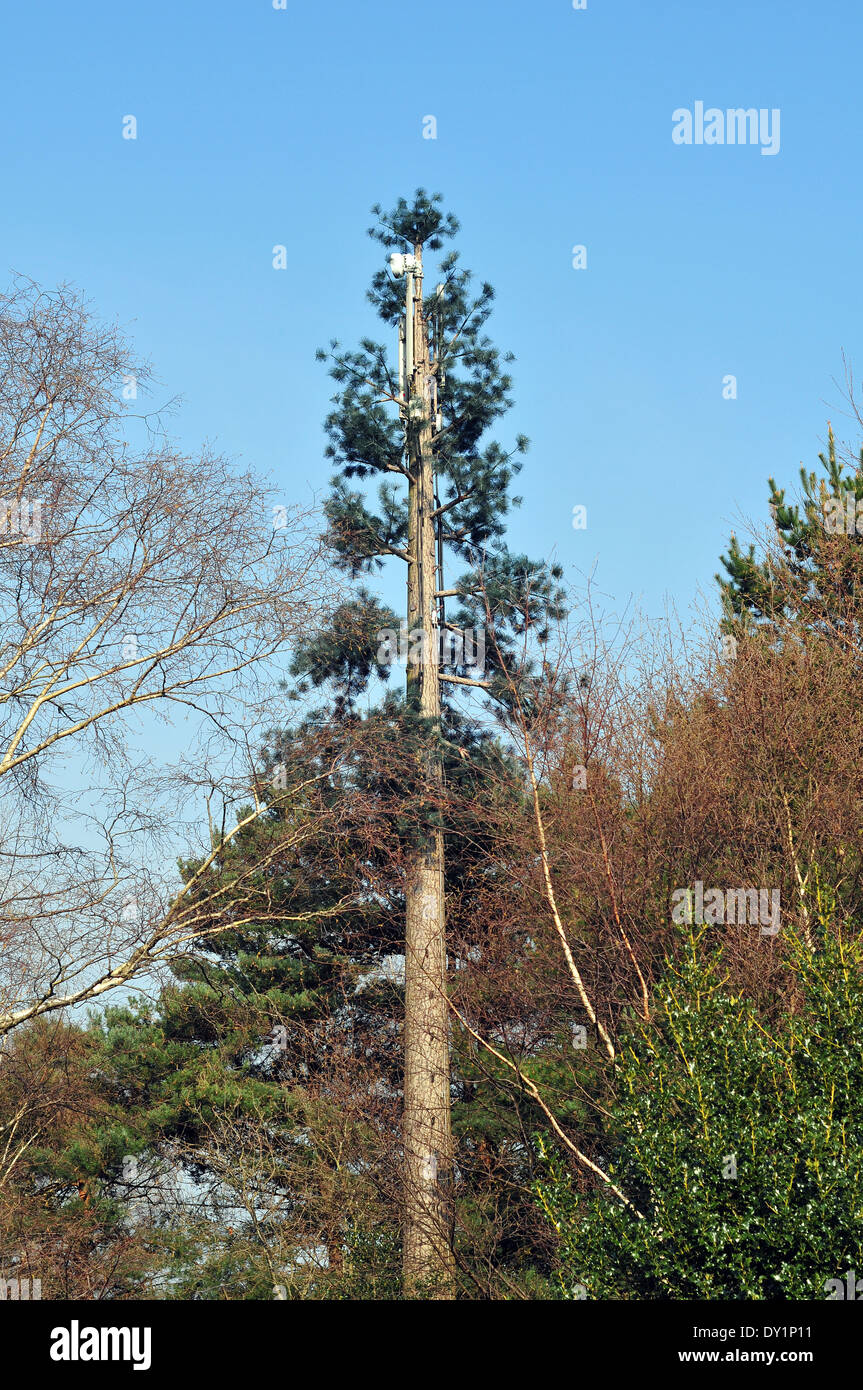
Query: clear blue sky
[259,126]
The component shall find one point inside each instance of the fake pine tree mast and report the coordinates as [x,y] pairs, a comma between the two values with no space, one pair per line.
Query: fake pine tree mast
[417,429]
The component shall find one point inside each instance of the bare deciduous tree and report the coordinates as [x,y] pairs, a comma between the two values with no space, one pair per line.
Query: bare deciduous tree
[146,596]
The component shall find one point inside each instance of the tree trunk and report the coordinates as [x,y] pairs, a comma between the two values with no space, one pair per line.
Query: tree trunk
[429,1267]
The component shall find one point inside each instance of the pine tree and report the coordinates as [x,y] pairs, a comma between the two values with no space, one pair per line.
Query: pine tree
[441,497]
[234,1078]
[812,573]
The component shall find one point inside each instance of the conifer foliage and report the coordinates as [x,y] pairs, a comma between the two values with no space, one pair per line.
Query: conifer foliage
[417,435]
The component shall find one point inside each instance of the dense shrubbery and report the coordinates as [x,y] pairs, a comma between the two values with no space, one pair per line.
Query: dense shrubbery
[740,1142]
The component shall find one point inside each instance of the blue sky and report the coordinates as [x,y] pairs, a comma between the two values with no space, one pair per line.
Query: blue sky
[259,127]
